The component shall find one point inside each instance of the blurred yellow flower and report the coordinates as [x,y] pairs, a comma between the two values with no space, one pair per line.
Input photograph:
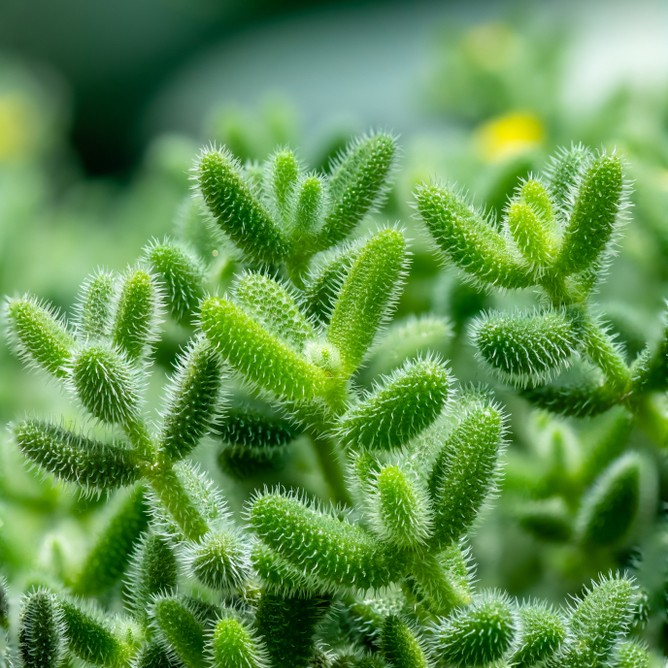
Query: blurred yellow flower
[15,122]
[507,135]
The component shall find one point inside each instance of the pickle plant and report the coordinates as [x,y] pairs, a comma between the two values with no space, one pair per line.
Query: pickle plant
[368,566]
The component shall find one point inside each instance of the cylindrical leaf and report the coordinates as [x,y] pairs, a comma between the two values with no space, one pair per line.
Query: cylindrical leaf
[234,645]
[105,384]
[477,635]
[564,173]
[468,240]
[611,508]
[261,357]
[594,215]
[282,172]
[90,463]
[40,631]
[153,571]
[367,295]
[272,305]
[219,560]
[180,632]
[181,277]
[135,319]
[526,348]
[400,646]
[39,335]
[466,469]
[94,305]
[105,564]
[334,551]
[541,633]
[237,212]
[358,183]
[89,638]
[598,621]
[288,626]
[193,398]
[407,402]
[310,204]
[399,507]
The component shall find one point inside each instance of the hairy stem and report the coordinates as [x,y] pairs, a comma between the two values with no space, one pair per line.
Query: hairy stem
[329,458]
[599,347]
[436,585]
[176,501]
[651,412]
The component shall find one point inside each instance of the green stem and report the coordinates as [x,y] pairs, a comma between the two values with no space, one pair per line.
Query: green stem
[329,458]
[140,438]
[175,500]
[556,290]
[651,412]
[435,584]
[600,348]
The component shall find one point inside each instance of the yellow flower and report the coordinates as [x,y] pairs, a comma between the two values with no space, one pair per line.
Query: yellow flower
[507,135]
[15,121]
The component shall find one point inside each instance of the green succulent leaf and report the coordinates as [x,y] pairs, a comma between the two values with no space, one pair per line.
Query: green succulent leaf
[89,638]
[90,463]
[466,469]
[288,626]
[631,654]
[105,384]
[272,304]
[367,295]
[39,335]
[527,348]
[611,508]
[239,214]
[193,400]
[477,635]
[594,215]
[281,176]
[326,273]
[564,173]
[399,508]
[93,309]
[279,576]
[235,645]
[260,356]
[181,277]
[40,631]
[530,235]
[468,240]
[336,552]
[311,203]
[220,560]
[106,562]
[254,442]
[584,399]
[598,622]
[153,571]
[541,633]
[405,403]
[179,630]
[136,316]
[358,184]
[400,645]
